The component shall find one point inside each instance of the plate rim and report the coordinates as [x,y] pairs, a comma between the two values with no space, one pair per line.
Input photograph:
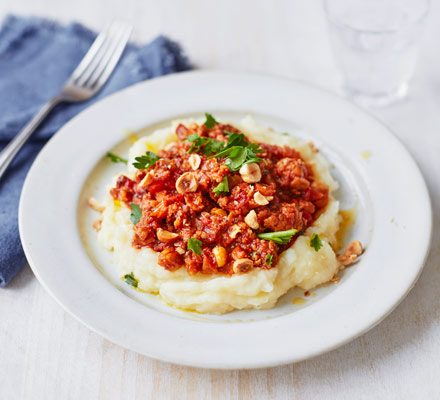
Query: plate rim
[261,364]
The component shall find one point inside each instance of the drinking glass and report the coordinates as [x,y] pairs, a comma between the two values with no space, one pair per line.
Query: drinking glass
[376,45]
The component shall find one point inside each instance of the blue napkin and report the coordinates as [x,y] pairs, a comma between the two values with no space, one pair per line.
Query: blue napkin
[36,58]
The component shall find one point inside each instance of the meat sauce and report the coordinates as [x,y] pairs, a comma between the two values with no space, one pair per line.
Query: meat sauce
[178,202]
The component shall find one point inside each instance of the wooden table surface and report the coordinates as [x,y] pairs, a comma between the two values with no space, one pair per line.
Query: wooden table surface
[47,354]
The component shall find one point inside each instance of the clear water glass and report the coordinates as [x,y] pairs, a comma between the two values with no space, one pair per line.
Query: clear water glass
[376,44]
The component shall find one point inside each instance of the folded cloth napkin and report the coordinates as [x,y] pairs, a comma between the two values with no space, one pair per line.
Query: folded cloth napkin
[36,58]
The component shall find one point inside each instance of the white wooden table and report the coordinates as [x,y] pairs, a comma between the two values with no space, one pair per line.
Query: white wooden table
[46,354]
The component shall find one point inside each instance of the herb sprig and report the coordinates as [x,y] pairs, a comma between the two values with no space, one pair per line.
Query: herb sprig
[204,145]
[237,150]
[136,213]
[114,158]
[222,187]
[131,280]
[316,242]
[269,259]
[146,161]
[210,121]
[195,245]
[280,237]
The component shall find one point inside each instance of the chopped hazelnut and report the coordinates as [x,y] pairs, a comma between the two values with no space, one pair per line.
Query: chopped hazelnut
[194,161]
[242,265]
[96,205]
[166,236]
[351,253]
[252,220]
[234,230]
[97,225]
[250,173]
[186,183]
[145,180]
[260,199]
[220,255]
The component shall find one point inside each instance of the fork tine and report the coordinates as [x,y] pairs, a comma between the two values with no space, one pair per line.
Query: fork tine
[91,53]
[108,65]
[97,57]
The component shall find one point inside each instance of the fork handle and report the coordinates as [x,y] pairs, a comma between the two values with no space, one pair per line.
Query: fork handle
[14,146]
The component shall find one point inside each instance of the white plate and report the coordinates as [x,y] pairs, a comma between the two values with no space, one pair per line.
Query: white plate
[378,177]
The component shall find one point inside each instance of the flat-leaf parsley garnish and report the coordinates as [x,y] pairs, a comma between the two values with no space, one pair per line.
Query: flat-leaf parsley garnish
[269,259]
[136,213]
[114,158]
[239,151]
[204,145]
[195,245]
[315,242]
[146,161]
[131,280]
[280,237]
[210,121]
[222,187]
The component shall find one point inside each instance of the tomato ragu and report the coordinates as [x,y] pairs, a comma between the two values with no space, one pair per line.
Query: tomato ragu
[218,191]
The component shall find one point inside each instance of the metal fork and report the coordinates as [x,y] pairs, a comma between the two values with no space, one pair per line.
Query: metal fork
[86,80]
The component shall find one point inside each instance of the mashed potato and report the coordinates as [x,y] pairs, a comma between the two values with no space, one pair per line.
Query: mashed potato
[300,265]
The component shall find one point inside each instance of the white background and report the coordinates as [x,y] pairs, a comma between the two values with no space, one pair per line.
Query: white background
[46,354]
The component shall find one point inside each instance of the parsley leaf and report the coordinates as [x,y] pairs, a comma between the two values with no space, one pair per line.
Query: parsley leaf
[269,259]
[222,187]
[146,161]
[213,146]
[197,142]
[236,139]
[237,158]
[280,237]
[210,121]
[315,242]
[205,145]
[131,280]
[194,245]
[136,213]
[114,158]
[239,151]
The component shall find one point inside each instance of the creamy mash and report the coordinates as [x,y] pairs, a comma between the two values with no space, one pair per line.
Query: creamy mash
[298,266]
